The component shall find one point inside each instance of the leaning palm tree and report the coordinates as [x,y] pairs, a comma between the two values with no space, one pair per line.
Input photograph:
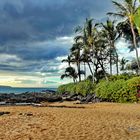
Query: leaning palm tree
[124,30]
[137,19]
[126,11]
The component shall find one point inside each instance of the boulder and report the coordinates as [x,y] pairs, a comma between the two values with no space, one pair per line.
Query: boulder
[3,113]
[90,98]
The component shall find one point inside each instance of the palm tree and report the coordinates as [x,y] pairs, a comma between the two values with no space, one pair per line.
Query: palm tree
[71,73]
[85,58]
[101,54]
[124,30]
[88,37]
[76,56]
[90,31]
[82,37]
[127,10]
[68,60]
[111,34]
[92,47]
[123,62]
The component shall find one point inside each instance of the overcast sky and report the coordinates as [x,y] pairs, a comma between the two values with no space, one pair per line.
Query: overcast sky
[36,34]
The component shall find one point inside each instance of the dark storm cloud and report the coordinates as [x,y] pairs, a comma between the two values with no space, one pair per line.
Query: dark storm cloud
[24,23]
[41,19]
[35,53]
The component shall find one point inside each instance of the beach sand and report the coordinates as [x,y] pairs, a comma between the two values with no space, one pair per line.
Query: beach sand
[102,121]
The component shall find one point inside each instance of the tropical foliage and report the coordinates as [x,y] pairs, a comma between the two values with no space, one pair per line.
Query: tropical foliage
[94,49]
[94,62]
[137,20]
[84,87]
[119,90]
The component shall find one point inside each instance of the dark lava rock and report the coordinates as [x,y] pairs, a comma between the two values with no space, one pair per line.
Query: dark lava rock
[26,114]
[32,97]
[54,99]
[29,114]
[91,98]
[3,113]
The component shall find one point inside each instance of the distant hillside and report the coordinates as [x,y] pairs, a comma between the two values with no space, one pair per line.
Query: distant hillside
[5,86]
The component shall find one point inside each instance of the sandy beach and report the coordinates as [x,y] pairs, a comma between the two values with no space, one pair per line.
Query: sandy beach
[103,121]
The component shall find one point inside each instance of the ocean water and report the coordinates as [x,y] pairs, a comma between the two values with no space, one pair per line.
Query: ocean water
[23,90]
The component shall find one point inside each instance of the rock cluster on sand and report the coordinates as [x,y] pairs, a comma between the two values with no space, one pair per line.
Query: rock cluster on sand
[83,99]
[29,98]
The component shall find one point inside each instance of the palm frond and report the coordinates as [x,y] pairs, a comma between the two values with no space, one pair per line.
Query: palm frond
[77,38]
[78,29]
[64,60]
[135,3]
[89,26]
[120,15]
[63,76]
[119,6]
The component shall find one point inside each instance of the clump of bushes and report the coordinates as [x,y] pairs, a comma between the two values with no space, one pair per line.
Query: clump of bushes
[124,76]
[70,88]
[84,88]
[109,91]
[119,90]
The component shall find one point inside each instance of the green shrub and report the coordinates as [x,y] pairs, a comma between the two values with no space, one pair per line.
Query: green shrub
[124,76]
[70,88]
[132,88]
[109,90]
[84,87]
[119,90]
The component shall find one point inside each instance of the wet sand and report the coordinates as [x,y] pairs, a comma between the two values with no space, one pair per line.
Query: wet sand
[103,121]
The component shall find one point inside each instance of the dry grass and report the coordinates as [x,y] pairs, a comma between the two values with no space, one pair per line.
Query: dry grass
[104,121]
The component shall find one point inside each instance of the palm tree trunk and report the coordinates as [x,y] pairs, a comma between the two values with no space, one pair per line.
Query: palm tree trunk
[110,64]
[78,69]
[93,62]
[73,80]
[135,44]
[101,64]
[90,68]
[117,61]
[85,70]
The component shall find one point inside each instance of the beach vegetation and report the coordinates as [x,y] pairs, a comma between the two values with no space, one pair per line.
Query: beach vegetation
[94,60]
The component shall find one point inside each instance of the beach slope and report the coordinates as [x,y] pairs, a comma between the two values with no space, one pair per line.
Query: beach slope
[68,121]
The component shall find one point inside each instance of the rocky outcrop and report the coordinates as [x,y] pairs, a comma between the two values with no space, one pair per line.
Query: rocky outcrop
[37,98]
[89,98]
[29,98]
